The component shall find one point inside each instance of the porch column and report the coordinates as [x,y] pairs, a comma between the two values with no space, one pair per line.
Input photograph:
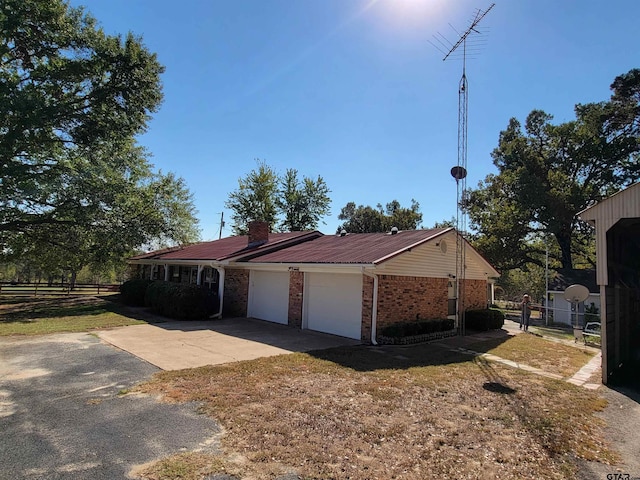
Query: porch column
[220,289]
[199,275]
[166,272]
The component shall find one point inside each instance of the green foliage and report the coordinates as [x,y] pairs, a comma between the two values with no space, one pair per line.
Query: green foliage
[132,292]
[446,223]
[255,199]
[76,188]
[548,173]
[179,300]
[292,204]
[484,319]
[363,219]
[419,327]
[515,283]
[302,204]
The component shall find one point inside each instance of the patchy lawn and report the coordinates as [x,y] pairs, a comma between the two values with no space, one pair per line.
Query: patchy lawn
[392,413]
[535,351]
[29,316]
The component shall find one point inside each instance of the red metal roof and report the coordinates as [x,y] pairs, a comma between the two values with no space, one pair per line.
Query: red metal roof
[226,247]
[352,248]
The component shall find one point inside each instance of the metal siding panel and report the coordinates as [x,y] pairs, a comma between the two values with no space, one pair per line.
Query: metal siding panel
[624,204]
[428,261]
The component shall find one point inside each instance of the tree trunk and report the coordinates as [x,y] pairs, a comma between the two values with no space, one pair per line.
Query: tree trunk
[72,282]
[564,242]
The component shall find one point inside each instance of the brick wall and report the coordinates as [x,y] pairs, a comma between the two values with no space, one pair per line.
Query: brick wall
[236,292]
[258,232]
[367,304]
[402,299]
[475,294]
[296,292]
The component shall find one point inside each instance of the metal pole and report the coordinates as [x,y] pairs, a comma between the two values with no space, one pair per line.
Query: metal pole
[221,225]
[546,281]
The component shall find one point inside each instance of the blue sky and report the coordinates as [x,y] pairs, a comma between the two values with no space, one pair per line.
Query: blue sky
[353,91]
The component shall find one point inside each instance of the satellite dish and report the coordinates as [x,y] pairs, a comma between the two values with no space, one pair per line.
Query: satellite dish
[576,293]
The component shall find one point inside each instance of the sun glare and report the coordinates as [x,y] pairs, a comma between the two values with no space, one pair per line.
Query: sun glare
[412,13]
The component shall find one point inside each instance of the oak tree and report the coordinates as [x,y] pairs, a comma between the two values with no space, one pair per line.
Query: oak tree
[547,173]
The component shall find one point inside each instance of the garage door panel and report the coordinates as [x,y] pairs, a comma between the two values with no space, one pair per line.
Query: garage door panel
[334,303]
[269,296]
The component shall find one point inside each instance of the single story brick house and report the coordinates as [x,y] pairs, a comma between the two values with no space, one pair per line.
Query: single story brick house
[348,284]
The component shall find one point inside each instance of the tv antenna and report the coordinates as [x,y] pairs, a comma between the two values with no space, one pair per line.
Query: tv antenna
[459,172]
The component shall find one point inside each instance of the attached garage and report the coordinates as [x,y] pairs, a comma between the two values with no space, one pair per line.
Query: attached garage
[269,296]
[333,303]
[351,285]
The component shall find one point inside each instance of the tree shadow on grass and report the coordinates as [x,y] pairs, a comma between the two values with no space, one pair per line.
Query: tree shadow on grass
[27,310]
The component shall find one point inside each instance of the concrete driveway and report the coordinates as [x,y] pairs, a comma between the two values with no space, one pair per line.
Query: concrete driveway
[188,344]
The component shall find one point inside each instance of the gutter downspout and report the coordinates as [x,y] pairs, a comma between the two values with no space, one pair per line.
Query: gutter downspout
[220,271]
[374,311]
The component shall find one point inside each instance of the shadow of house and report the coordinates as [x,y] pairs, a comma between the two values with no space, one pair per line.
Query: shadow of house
[617,224]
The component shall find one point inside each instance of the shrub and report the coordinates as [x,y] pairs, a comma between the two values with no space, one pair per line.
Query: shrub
[133,291]
[179,300]
[420,327]
[484,319]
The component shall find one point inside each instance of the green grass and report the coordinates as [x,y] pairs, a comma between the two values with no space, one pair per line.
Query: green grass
[69,314]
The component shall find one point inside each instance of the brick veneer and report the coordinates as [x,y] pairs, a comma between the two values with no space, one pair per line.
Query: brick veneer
[258,232]
[296,293]
[402,299]
[367,304]
[475,294]
[236,292]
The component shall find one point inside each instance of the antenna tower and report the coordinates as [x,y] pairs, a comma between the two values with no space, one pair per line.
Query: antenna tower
[459,172]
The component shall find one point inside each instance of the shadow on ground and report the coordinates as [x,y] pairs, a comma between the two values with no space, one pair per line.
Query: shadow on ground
[441,352]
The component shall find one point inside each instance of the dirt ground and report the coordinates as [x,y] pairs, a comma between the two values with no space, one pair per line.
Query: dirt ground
[622,417]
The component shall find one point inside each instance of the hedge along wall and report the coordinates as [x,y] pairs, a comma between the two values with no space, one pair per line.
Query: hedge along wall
[236,292]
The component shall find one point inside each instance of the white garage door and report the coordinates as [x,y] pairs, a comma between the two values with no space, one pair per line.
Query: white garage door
[269,296]
[334,303]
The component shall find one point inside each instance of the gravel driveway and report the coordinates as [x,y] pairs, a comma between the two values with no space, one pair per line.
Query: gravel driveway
[64,412]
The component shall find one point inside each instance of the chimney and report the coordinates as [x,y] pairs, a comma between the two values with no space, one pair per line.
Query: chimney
[258,233]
